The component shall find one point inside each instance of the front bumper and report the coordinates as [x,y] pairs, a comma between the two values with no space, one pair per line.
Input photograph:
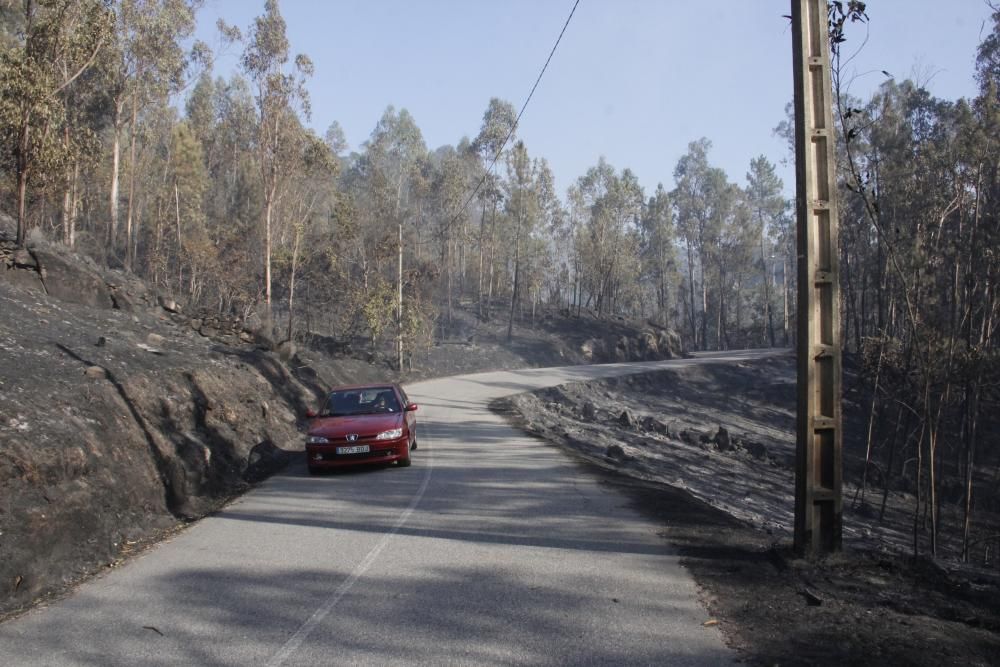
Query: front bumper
[381,451]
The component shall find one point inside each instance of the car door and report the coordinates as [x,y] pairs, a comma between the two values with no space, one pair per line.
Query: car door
[409,415]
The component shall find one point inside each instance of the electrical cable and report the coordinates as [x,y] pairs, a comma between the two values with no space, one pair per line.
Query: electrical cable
[517,121]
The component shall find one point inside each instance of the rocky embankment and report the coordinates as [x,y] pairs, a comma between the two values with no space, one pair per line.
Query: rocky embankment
[122,417]
[723,433]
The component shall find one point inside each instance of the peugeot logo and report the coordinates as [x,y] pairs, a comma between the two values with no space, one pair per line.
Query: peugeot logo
[352,437]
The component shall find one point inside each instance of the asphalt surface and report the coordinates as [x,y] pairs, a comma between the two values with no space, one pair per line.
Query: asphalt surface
[493,548]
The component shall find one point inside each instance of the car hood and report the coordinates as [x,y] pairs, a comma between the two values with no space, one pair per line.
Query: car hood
[363,426]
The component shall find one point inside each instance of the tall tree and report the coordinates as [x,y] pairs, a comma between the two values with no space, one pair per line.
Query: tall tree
[280,95]
[496,132]
[658,249]
[146,65]
[522,206]
[764,196]
[700,197]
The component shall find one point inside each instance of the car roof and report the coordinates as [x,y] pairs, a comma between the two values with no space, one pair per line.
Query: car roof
[352,387]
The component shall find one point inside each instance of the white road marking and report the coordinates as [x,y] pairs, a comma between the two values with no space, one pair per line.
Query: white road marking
[309,625]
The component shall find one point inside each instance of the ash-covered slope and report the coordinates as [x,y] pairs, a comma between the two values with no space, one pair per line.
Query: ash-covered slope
[118,420]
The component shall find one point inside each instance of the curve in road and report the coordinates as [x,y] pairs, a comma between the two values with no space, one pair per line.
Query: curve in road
[493,548]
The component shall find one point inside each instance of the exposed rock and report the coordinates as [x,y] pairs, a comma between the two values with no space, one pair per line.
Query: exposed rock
[263,340]
[623,349]
[687,436]
[306,373]
[626,419]
[589,411]
[96,372]
[650,423]
[722,440]
[195,324]
[287,350]
[168,303]
[669,344]
[24,278]
[72,281]
[706,437]
[756,449]
[253,323]
[284,414]
[615,452]
[647,346]
[155,339]
[122,300]
[24,259]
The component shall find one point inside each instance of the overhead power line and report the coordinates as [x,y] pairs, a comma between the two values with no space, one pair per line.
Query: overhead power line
[517,121]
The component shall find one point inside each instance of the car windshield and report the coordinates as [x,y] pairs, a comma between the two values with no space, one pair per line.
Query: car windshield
[377,400]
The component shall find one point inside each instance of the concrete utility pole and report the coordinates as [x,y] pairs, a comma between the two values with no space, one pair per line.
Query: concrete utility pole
[818,455]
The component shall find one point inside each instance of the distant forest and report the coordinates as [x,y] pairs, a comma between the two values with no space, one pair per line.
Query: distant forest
[119,143]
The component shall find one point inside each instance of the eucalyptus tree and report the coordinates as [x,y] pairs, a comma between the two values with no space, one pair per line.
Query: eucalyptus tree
[280,96]
[335,139]
[188,182]
[311,190]
[739,235]
[699,199]
[988,58]
[146,65]
[920,178]
[201,113]
[768,204]
[496,132]
[450,189]
[612,206]
[387,183]
[59,40]
[522,207]
[552,221]
[658,252]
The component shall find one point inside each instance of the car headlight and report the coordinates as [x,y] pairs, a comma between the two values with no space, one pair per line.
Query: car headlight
[317,440]
[390,435]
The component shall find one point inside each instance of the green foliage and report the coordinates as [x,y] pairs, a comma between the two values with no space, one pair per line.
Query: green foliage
[378,309]
[58,41]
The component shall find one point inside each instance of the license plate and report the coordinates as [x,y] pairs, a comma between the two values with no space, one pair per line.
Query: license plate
[357,449]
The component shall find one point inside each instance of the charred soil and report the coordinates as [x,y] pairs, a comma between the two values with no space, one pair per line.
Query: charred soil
[708,451]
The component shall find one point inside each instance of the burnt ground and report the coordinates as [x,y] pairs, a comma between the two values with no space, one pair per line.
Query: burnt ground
[726,499]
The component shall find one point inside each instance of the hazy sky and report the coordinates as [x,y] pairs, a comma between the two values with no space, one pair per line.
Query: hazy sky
[633,80]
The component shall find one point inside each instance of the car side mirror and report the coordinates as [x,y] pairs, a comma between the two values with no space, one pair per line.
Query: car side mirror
[310,413]
[411,407]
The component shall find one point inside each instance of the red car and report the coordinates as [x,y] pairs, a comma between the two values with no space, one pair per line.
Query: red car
[362,424]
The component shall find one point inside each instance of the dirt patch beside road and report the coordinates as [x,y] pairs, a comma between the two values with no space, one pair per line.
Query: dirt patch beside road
[709,452]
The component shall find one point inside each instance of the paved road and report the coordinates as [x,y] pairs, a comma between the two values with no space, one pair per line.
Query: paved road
[493,548]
